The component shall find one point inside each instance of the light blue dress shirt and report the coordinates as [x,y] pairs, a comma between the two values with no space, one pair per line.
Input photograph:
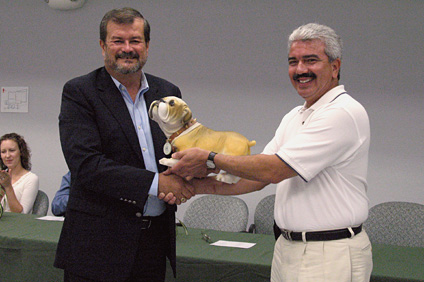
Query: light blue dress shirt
[138,111]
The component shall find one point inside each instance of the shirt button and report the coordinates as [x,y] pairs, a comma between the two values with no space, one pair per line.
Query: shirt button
[139,127]
[138,214]
[144,149]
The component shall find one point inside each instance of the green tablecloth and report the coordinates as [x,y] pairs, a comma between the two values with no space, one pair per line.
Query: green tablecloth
[28,246]
[395,263]
[199,261]
[27,249]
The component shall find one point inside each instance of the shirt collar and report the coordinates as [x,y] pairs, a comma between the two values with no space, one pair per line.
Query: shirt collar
[144,84]
[326,98]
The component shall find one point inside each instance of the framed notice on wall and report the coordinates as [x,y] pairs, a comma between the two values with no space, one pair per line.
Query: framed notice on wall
[14,99]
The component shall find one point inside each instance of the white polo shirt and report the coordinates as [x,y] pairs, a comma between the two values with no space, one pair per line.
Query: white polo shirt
[327,145]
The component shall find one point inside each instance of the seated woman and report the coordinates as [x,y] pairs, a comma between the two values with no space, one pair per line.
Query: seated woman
[19,184]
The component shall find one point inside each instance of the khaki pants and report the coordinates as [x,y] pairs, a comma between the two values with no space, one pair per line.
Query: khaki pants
[344,260]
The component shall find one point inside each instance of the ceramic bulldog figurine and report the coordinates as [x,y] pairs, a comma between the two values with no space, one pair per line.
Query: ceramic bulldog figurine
[175,119]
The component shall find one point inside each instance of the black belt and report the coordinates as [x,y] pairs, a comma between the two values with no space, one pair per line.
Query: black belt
[321,235]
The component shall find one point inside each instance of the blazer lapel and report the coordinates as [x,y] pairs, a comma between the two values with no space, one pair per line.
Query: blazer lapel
[112,98]
[158,136]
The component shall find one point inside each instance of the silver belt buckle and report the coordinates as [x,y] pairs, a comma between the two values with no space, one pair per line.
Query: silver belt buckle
[286,234]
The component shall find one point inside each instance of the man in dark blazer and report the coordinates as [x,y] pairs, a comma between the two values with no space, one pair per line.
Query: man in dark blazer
[116,229]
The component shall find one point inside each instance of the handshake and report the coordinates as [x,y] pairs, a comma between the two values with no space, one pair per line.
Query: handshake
[188,178]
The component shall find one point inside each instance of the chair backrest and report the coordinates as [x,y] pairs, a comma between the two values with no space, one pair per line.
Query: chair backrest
[396,223]
[264,216]
[217,212]
[41,204]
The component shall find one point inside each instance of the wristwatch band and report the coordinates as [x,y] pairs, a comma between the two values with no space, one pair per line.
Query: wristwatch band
[210,161]
[211,156]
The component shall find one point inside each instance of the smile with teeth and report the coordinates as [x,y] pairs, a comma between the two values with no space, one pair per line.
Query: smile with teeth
[126,56]
[305,80]
[304,77]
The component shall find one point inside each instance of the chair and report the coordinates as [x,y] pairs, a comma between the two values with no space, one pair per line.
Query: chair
[396,223]
[264,216]
[41,204]
[223,213]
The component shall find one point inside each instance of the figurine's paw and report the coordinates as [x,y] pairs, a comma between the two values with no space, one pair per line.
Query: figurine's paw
[168,162]
[227,178]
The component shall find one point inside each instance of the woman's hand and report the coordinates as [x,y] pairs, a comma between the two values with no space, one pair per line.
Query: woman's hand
[6,183]
[5,179]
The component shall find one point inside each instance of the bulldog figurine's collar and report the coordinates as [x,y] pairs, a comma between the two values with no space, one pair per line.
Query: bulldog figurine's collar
[169,147]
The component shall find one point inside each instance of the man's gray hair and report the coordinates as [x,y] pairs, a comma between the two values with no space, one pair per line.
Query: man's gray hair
[311,31]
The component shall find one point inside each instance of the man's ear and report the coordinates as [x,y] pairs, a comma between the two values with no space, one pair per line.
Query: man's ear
[336,67]
[103,46]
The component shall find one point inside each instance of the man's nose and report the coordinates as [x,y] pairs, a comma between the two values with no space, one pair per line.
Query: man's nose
[301,68]
[127,46]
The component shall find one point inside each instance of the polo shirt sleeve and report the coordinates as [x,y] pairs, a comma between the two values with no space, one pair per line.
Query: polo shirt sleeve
[328,138]
[276,142]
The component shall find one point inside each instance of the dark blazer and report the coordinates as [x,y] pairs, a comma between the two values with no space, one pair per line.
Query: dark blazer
[109,182]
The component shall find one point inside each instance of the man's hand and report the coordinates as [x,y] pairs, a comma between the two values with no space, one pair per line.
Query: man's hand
[192,163]
[173,189]
[168,198]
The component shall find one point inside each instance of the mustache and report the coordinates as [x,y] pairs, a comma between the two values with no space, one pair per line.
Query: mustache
[127,55]
[309,74]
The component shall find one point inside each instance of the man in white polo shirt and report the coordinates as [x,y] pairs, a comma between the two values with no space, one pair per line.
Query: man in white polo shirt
[319,158]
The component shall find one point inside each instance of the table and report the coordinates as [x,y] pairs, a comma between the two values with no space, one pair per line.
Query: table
[28,246]
[199,261]
[396,263]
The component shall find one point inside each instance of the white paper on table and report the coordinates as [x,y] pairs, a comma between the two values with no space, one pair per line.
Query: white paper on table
[52,218]
[232,244]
